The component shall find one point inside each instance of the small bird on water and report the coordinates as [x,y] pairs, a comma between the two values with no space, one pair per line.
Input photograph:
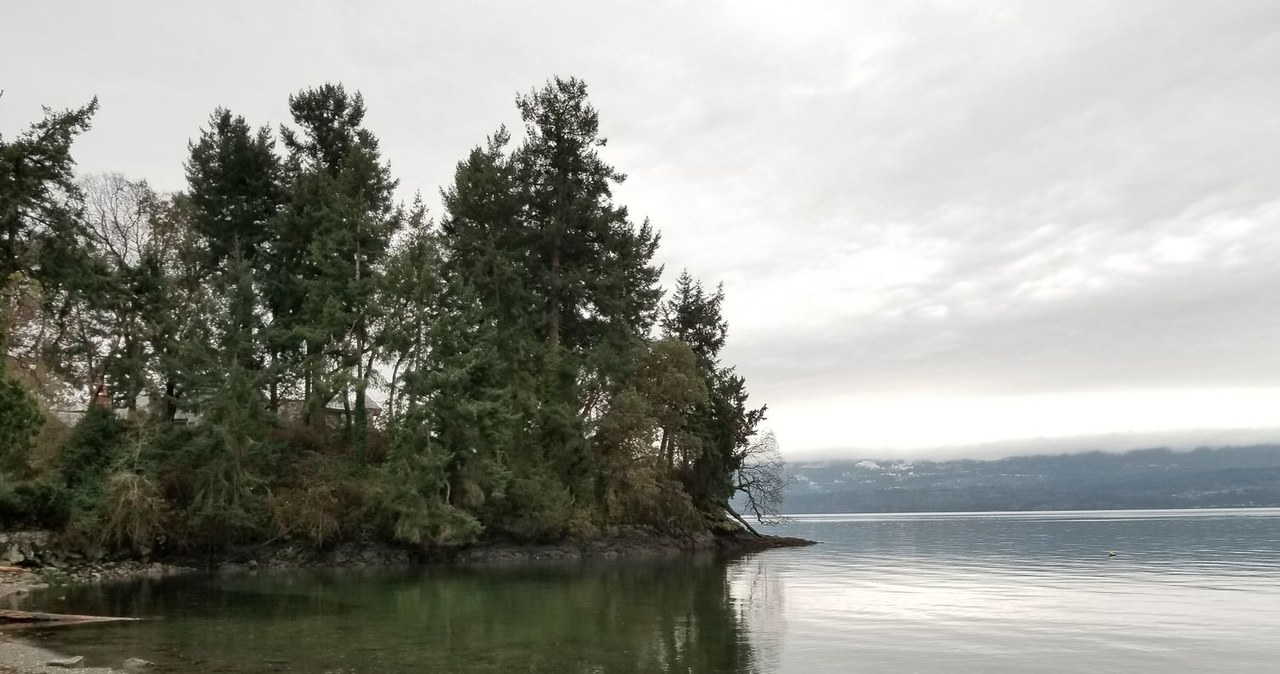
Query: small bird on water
[1111,554]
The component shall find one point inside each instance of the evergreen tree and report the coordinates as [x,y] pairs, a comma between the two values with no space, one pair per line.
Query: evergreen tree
[224,463]
[709,446]
[233,188]
[330,240]
[410,297]
[589,267]
[233,178]
[724,429]
[692,316]
[40,228]
[180,323]
[592,268]
[480,382]
[40,241]
[20,418]
[486,243]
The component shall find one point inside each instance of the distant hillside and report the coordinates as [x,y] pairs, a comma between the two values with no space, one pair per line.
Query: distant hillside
[1148,478]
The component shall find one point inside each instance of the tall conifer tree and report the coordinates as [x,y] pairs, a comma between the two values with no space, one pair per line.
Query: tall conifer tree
[40,226]
[590,267]
[708,447]
[234,192]
[233,186]
[331,239]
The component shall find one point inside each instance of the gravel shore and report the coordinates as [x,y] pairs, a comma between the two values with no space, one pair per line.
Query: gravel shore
[17,657]
[20,657]
[12,584]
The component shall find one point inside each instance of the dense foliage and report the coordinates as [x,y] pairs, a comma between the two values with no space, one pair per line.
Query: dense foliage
[228,343]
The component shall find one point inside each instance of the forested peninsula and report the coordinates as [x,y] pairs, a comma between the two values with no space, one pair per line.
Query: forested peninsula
[285,351]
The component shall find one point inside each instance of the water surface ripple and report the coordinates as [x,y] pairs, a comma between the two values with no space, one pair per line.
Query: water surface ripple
[1187,591]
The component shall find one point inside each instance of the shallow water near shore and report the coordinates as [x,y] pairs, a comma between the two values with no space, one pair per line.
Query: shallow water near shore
[1188,591]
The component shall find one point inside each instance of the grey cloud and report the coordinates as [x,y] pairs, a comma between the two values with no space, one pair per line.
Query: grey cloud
[1211,324]
[933,197]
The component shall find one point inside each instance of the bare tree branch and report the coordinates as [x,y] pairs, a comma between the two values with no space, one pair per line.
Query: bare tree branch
[761,480]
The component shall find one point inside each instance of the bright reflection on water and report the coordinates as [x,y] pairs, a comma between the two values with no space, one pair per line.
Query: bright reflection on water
[1189,591]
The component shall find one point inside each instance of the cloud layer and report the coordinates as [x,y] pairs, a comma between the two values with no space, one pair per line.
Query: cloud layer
[1008,210]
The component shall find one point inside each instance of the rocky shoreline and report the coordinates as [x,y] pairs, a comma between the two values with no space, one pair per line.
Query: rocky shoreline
[617,543]
[624,544]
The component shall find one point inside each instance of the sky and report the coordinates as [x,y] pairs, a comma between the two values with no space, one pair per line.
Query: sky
[939,225]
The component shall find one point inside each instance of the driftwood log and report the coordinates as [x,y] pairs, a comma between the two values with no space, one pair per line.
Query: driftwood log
[8,616]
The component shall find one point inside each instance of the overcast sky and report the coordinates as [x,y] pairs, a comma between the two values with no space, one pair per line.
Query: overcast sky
[938,224]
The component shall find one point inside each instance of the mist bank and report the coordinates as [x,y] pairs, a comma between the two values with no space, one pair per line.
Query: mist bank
[1119,442]
[1148,478]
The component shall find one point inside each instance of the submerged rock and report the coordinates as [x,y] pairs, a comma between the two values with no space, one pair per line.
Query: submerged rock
[67,663]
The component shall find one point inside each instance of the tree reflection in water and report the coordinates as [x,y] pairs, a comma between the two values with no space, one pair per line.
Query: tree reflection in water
[759,599]
[690,615]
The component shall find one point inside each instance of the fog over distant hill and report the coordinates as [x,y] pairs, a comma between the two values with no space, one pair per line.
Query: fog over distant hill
[1148,478]
[1111,442]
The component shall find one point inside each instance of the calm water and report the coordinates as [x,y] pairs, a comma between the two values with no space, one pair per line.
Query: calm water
[1190,591]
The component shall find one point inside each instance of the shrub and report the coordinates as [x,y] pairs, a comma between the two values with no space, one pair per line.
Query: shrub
[325,497]
[538,507]
[413,502]
[217,486]
[20,420]
[133,512]
[44,504]
[95,444]
[647,494]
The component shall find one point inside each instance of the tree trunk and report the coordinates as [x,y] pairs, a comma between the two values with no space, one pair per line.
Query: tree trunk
[553,322]
[274,386]
[743,522]
[309,382]
[170,400]
[390,405]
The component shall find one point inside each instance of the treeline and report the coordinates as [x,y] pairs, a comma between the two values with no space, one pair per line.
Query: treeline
[227,343]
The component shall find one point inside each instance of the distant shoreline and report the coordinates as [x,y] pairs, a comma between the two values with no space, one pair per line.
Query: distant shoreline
[959,513]
[1224,477]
